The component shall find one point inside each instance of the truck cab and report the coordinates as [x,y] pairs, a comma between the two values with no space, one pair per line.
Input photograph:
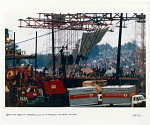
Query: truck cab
[138,101]
[51,93]
[32,92]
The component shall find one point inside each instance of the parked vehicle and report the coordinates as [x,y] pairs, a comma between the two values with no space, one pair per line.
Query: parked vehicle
[138,101]
[121,95]
[82,96]
[50,93]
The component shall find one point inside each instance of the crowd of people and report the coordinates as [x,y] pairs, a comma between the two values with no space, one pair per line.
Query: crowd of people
[108,58]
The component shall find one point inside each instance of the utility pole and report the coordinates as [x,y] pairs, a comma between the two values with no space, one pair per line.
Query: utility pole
[53,49]
[36,53]
[119,50]
[14,51]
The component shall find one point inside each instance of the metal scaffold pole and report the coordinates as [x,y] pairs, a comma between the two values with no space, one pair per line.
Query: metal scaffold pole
[36,53]
[53,50]
[14,51]
[119,50]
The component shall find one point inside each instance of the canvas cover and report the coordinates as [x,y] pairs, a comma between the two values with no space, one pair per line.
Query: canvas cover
[89,40]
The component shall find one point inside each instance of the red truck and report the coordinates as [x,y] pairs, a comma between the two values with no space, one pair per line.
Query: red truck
[50,93]
[46,93]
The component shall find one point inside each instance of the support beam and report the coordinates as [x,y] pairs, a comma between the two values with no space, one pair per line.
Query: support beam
[14,51]
[36,53]
[119,50]
[53,50]
[78,21]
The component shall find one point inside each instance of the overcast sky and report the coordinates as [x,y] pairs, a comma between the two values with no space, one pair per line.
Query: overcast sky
[12,11]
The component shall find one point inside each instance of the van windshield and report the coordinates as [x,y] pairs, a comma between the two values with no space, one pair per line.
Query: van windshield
[142,98]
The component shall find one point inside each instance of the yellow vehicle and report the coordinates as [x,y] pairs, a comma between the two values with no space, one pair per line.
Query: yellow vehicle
[97,83]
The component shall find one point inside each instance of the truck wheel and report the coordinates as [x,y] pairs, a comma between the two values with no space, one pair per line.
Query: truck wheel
[111,105]
[134,105]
